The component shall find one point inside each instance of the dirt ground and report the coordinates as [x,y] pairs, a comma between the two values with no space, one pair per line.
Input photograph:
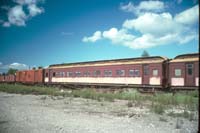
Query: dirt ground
[40,114]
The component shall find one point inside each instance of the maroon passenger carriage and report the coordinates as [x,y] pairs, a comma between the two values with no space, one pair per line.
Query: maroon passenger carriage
[184,71]
[137,72]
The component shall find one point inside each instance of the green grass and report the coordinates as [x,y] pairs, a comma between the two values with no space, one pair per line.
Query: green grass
[91,94]
[23,89]
[158,108]
[160,101]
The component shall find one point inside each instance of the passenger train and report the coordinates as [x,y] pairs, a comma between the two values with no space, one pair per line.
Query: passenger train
[158,72]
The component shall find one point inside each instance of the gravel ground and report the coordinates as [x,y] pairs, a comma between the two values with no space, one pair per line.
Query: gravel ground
[40,114]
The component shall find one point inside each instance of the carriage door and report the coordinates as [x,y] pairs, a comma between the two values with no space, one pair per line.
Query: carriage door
[145,77]
[189,75]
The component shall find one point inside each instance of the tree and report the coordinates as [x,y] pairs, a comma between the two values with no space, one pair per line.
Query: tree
[12,71]
[145,54]
[40,67]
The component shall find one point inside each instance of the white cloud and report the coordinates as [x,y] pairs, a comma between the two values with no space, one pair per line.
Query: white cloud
[158,29]
[15,65]
[152,29]
[153,23]
[34,10]
[149,40]
[46,67]
[96,36]
[189,16]
[150,5]
[18,66]
[144,6]
[26,2]
[17,16]
[118,36]
[6,24]
[128,8]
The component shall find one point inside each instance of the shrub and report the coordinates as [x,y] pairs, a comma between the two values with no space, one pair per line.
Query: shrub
[163,119]
[158,109]
[130,104]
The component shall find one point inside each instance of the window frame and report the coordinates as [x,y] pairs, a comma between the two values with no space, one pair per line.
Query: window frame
[96,73]
[131,72]
[153,74]
[175,72]
[135,73]
[70,74]
[62,74]
[86,74]
[107,73]
[188,68]
[121,74]
[77,74]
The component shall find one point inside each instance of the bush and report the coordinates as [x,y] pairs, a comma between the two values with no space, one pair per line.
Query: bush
[130,104]
[163,119]
[158,108]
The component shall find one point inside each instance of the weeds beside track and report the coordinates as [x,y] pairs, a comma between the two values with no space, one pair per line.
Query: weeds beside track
[158,102]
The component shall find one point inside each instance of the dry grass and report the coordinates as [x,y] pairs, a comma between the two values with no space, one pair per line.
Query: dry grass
[160,101]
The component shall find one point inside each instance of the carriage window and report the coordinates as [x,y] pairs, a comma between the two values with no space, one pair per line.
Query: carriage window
[62,74]
[86,74]
[54,74]
[177,72]
[134,73]
[67,74]
[120,72]
[97,73]
[155,72]
[59,74]
[46,75]
[107,73]
[146,69]
[189,69]
[70,74]
[137,73]
[131,72]
[78,74]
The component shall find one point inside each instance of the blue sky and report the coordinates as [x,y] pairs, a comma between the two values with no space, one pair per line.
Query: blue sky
[44,32]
